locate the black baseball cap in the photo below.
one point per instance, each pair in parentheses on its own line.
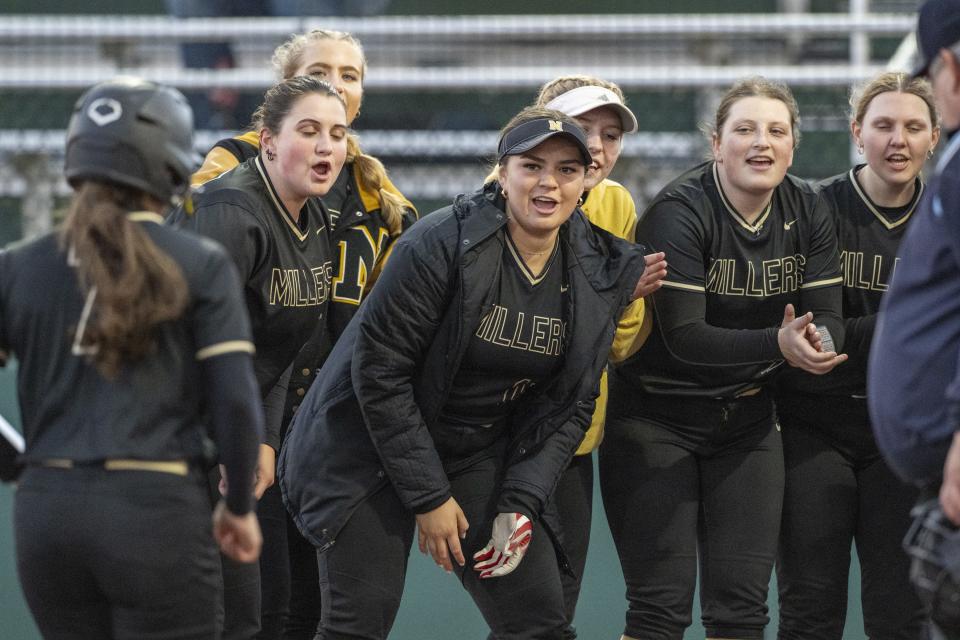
(531,133)
(938,27)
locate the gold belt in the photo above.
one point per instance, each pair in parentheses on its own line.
(176,467)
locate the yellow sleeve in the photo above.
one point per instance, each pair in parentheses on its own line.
(217,162)
(632,331)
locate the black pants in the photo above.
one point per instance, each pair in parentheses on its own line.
(116,554)
(839,490)
(573,498)
(238,613)
(259,597)
(687,477)
(304,610)
(362,575)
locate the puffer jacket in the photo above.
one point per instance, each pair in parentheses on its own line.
(371,415)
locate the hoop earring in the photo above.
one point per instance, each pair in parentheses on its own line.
(271,156)
(929,153)
(860,148)
(580,201)
(503,192)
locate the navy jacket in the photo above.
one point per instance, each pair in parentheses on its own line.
(913,386)
(370,416)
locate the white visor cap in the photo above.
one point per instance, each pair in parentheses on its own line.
(582,99)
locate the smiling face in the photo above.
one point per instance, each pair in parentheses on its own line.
(754,149)
(340,63)
(308,150)
(543,186)
(604,131)
(896,133)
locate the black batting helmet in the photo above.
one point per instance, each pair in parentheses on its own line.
(135,133)
(933,544)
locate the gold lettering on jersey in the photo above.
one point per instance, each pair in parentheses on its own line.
(299,287)
(541,335)
(858,275)
(359,253)
(758,279)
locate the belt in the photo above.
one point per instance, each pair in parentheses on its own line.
(175,467)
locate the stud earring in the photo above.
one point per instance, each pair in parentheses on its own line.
(271,156)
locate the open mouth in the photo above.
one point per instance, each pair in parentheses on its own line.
(760,162)
(898,160)
(545,205)
(322,170)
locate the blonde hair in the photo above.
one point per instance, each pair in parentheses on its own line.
(138,286)
(287,58)
(560,85)
(862,96)
(756,87)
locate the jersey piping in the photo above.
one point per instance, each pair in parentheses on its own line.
(301,235)
(758,224)
(918,191)
(230,346)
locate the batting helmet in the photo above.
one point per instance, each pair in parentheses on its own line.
(134,133)
(933,544)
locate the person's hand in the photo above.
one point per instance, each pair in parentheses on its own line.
(653,274)
(950,489)
(439,533)
(800,342)
(239,537)
(512,533)
(266,471)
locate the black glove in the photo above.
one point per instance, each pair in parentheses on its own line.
(933,544)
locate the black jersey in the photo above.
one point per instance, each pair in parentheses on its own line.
(285,265)
(519,342)
(869,237)
(717,315)
(152,410)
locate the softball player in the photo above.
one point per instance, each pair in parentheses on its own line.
(838,488)
(692,462)
(367,215)
(598,107)
(474,364)
(268,215)
(138,326)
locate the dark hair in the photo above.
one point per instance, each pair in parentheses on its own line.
(757,87)
(136,286)
(279,99)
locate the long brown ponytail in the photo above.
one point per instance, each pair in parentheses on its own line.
(134,285)
(372,173)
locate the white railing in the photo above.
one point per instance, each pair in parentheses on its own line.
(491,28)
(540,47)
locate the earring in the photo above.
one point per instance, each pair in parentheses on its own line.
(580,201)
(503,192)
(271,156)
(929,153)
(860,148)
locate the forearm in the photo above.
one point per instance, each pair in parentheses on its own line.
(237,423)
